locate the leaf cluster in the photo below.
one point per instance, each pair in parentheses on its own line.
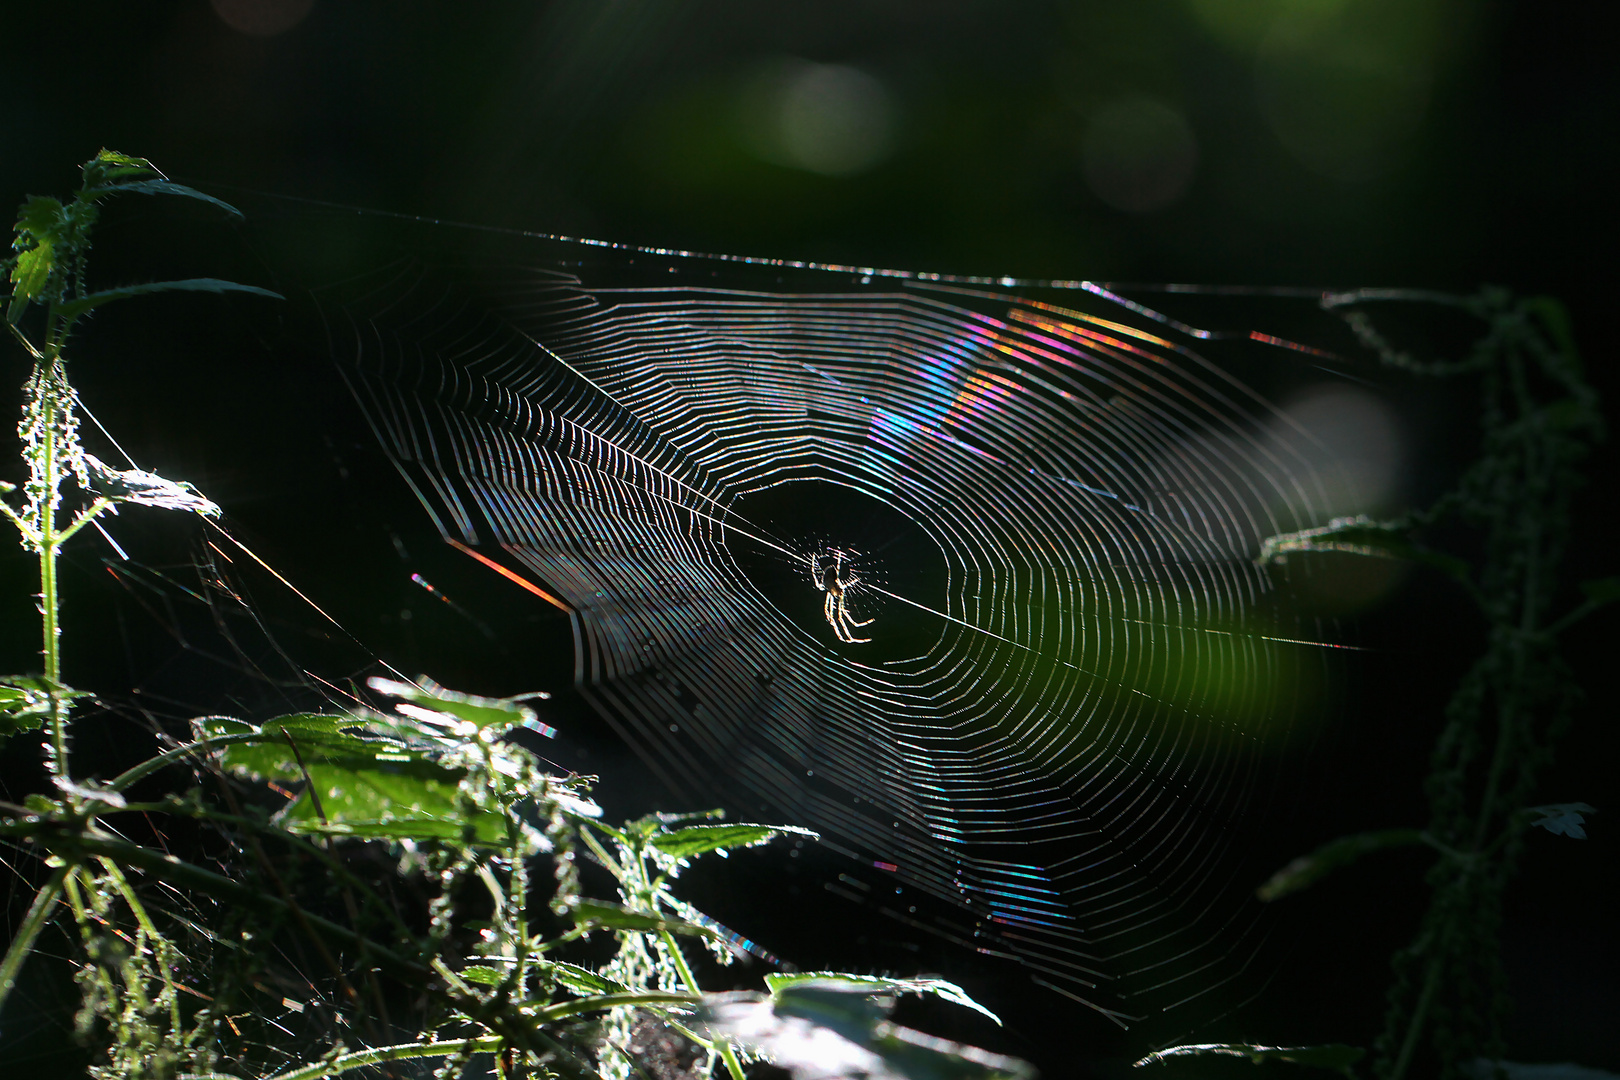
(52,245)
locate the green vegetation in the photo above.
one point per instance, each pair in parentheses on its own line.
(1538,419)
(406,858)
(413,857)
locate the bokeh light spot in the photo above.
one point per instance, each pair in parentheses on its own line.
(1138,155)
(1242,24)
(824,118)
(1356,449)
(262,18)
(1343,96)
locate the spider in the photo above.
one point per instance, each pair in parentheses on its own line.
(827,571)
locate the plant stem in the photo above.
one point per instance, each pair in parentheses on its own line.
(1431,983)
(158,944)
(48,547)
(403,1052)
(39,912)
(728,1053)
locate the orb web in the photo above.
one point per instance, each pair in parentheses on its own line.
(1045,517)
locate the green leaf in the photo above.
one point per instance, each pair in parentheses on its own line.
(74,308)
(698,839)
(1328,1056)
(1361,535)
(317,738)
(160,187)
(851,1028)
(141,488)
(481,712)
(367,787)
(1562,819)
(1308,869)
(584,980)
(213,727)
(110,165)
(875,985)
(40,218)
(29,276)
(614,917)
(488,976)
(22,707)
(25,702)
(387,800)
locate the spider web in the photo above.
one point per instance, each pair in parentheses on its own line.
(1050,505)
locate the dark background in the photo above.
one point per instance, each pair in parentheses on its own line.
(1263,142)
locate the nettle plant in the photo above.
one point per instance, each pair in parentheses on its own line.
(407,851)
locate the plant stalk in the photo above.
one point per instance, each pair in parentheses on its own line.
(39,913)
(49,544)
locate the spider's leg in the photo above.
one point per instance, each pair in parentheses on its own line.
(845,631)
(860,622)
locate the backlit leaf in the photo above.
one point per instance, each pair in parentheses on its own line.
(836,1026)
(74,308)
(614,917)
(29,276)
(697,839)
(387,800)
(876,985)
(484,975)
(584,980)
(25,702)
(481,712)
(1328,1056)
(110,165)
(162,187)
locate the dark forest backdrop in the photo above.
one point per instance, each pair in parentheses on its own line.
(1335,143)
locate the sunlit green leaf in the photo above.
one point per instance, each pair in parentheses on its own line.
(359,784)
(852,1036)
(74,308)
(1308,869)
(25,702)
(314,738)
(21,708)
(614,917)
(485,975)
(29,276)
(697,839)
(1328,1056)
(40,218)
(876,985)
(111,165)
(481,712)
(584,980)
(213,727)
(388,800)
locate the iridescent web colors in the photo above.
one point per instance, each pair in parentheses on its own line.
(1068,749)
